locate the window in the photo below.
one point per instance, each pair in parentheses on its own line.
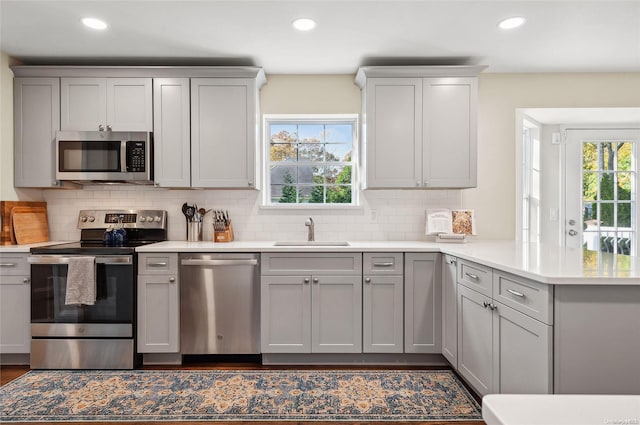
(310,159)
(608,196)
(530,182)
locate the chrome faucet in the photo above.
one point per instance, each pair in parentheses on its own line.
(309,224)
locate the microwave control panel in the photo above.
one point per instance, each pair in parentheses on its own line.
(136,156)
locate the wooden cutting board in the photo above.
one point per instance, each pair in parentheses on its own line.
(6,232)
(30,224)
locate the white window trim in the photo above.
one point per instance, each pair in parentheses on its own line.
(311,118)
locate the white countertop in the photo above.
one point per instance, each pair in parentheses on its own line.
(544,263)
(562,409)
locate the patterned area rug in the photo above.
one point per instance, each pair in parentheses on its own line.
(234,395)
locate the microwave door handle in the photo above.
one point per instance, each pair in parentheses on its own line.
(61,259)
(123,156)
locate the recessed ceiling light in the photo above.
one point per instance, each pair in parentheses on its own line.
(511,23)
(304,24)
(94,23)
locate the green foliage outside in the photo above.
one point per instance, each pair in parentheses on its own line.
(289,194)
(599,163)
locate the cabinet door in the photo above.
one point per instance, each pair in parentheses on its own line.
(336,319)
(223,132)
(449,132)
(285,314)
(171,132)
(475,340)
(36,120)
(422,303)
(449,311)
(521,353)
(83,104)
(15,315)
(158,314)
(393,132)
(129,104)
(382,327)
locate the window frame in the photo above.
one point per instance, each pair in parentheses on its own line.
(268,119)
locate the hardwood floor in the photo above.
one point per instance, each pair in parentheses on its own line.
(9,373)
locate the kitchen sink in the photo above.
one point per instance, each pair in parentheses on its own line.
(311,243)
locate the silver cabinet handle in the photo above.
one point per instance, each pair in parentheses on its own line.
(108,128)
(417,183)
(389,264)
(25,280)
(195,262)
(101,127)
(367,279)
(493,306)
(472,276)
(7,264)
(485,304)
(451,261)
(306,280)
(249,184)
(172,279)
(517,294)
(315,280)
(572,232)
(157,264)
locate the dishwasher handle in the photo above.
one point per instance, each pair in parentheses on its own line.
(202,262)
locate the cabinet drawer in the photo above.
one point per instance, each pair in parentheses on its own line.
(347,263)
(526,296)
(382,263)
(14,265)
(161,263)
(475,276)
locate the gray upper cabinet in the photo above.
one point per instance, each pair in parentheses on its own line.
(36,120)
(422,303)
(106,104)
(171,132)
(223,132)
(420,126)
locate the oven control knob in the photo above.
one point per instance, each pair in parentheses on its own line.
(157,219)
(92,219)
(143,219)
(83,219)
(149,219)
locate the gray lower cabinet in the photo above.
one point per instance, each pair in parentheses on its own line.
(36,120)
(158,304)
(15,304)
(316,312)
(382,303)
(422,303)
(449,310)
(171,132)
(500,348)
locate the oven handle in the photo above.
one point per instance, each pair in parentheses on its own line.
(61,259)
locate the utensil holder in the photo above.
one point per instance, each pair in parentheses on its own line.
(224,236)
(194,231)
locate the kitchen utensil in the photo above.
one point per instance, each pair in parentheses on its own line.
(30,224)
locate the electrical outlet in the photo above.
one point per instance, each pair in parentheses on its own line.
(554,214)
(374,215)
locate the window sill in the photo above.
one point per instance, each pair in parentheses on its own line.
(310,207)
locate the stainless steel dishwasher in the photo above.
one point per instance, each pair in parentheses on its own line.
(219,303)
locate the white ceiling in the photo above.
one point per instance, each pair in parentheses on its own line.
(559,36)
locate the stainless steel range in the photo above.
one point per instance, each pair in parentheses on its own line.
(98,333)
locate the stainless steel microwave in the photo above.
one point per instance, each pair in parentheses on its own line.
(104,156)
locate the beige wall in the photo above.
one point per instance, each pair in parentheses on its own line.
(499,96)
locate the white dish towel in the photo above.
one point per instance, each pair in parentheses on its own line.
(81,281)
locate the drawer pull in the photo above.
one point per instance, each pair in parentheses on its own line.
(472,276)
(156,264)
(517,294)
(451,262)
(383,264)
(7,264)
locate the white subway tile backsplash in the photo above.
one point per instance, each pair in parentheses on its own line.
(399,214)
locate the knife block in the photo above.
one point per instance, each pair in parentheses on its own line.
(225,236)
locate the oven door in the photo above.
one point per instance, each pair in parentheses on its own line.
(111,315)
